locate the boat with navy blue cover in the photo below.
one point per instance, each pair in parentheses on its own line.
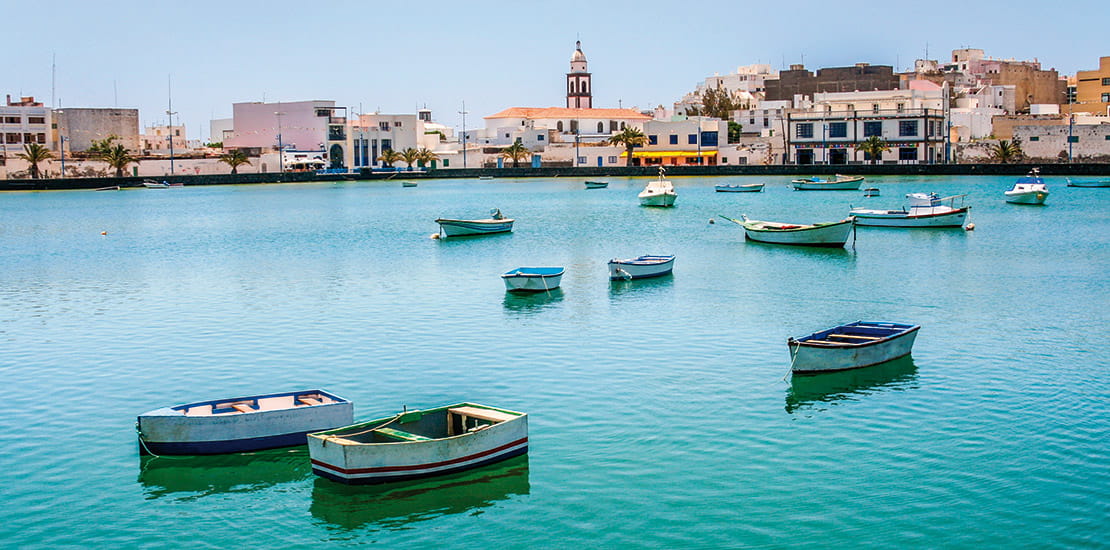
(1030,189)
(241,424)
(850,346)
(640,268)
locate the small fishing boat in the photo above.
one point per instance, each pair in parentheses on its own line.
(596,184)
(659,192)
(151,184)
(241,424)
(871,192)
(743,188)
(1030,189)
(829,234)
(408,184)
(417,444)
(640,268)
(836,183)
(850,346)
(496,223)
(109,188)
(532,279)
(925,210)
(485,178)
(1088,183)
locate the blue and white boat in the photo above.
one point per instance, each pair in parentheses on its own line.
(1030,189)
(496,223)
(850,346)
(640,268)
(241,424)
(532,279)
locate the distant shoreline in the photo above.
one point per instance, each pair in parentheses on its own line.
(1087,169)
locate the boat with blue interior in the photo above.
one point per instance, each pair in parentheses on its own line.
(850,346)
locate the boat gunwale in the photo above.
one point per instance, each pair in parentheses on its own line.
(332,436)
(791,341)
(800,228)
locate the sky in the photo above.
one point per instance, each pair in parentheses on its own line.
(399,56)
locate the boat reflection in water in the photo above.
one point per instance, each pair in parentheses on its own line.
(196,476)
(532,302)
(640,288)
(810,392)
(397,505)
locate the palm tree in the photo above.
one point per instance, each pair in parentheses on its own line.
(630,138)
(388,157)
(425,156)
(34,154)
(234,159)
(1007,151)
(873,147)
(118,157)
(515,153)
(410,156)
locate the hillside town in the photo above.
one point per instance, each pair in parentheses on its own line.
(969,108)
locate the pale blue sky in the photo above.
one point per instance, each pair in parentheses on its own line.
(397,56)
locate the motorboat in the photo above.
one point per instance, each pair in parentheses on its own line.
(850,346)
(640,268)
(407,183)
(240,424)
(596,184)
(418,444)
(925,210)
(1030,189)
(659,192)
(827,234)
(742,188)
(532,279)
(836,183)
(496,223)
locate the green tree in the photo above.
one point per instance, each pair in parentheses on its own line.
(388,157)
(101,147)
(425,156)
(630,138)
(234,159)
(410,156)
(516,152)
(873,147)
(118,157)
(716,102)
(734,129)
(34,153)
(1005,151)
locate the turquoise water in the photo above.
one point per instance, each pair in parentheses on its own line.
(659,412)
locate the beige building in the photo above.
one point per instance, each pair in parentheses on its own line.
(1092,90)
(81,126)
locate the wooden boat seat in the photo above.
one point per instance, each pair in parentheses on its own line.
(826,342)
(854,337)
(484,414)
(400,435)
(307,400)
(242,407)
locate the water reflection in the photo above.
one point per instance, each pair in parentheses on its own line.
(532,302)
(199,476)
(396,505)
(812,391)
(647,286)
(815,251)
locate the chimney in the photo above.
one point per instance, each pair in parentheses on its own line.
(797,67)
(9,100)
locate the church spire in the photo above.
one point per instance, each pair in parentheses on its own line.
(579,87)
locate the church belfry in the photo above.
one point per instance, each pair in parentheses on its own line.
(579,87)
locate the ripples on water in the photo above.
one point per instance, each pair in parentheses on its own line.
(659,412)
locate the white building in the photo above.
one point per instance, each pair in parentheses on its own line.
(746,85)
(22,123)
(157,140)
(372,134)
(681,142)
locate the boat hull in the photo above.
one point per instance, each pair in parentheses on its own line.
(532,279)
(815,358)
(831,235)
(470,228)
(747,188)
(1027,197)
(641,268)
(847,184)
(1089,184)
(357,463)
(597,184)
(170,431)
(892,218)
(658,199)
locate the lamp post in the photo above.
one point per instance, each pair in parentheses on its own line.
(169,130)
(824,141)
(281,148)
(62,150)
(463,113)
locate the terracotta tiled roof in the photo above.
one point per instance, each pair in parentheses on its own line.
(563,112)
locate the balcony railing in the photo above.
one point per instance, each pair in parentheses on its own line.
(864,114)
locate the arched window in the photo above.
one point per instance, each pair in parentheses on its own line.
(559,126)
(600,127)
(585,86)
(573,87)
(622,126)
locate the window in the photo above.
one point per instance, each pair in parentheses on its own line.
(907,128)
(1108,138)
(709,139)
(36,120)
(446,163)
(653,140)
(1035,138)
(1106,98)
(612,126)
(1106,82)
(875,108)
(674,139)
(838,129)
(804,130)
(692,139)
(873,128)
(907,153)
(397,124)
(901,107)
(581,160)
(1073,139)
(574,126)
(383,126)
(323,112)
(539,137)
(600,127)
(612,160)
(11,120)
(724,160)
(177,133)
(751,121)
(851,107)
(559,126)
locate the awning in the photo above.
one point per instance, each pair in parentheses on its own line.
(668,154)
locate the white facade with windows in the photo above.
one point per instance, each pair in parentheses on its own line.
(22,123)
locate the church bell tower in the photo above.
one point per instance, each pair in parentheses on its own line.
(579,88)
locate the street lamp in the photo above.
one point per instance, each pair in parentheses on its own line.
(281,148)
(62,149)
(463,113)
(169,131)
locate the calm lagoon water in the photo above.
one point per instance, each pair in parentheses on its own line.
(660,415)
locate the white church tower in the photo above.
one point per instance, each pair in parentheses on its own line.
(579,88)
